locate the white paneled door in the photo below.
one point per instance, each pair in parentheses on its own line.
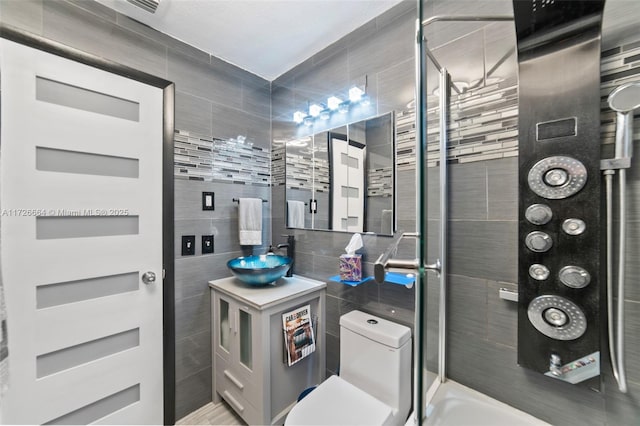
(347,191)
(81,234)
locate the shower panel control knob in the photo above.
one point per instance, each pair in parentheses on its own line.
(538,214)
(555,317)
(538,241)
(573,226)
(574,277)
(556,177)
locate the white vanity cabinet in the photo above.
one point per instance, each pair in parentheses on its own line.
(249,366)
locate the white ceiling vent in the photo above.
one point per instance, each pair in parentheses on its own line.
(148,5)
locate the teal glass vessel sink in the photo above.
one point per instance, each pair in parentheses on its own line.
(260,270)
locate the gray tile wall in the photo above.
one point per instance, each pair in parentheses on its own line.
(214,100)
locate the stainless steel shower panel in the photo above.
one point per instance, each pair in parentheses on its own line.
(559,188)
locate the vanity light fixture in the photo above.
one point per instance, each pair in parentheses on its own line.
(334,103)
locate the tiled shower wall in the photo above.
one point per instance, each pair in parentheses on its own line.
(482,329)
(214,100)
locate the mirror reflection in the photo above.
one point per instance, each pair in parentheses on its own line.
(342,179)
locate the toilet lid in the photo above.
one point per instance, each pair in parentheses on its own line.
(338,402)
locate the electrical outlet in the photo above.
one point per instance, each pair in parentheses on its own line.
(188,245)
(208,201)
(207,244)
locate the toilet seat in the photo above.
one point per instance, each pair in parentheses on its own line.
(338,402)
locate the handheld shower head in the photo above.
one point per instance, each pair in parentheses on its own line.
(624,99)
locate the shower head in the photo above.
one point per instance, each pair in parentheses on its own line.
(625,98)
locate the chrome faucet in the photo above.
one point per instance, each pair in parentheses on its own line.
(290,245)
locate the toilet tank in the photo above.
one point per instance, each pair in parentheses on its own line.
(375,356)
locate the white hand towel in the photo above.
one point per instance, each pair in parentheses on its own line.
(250,221)
(295,214)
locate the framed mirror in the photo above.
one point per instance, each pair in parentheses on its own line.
(343,179)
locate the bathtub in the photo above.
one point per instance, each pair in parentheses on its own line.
(456,405)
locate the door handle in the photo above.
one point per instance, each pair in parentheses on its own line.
(149,277)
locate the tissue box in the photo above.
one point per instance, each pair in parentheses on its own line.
(351,267)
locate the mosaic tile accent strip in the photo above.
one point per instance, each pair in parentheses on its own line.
(321,171)
(298,173)
(484,122)
(220,160)
(277,164)
(483,126)
(380,182)
(406,140)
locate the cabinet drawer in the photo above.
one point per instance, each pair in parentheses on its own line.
(228,377)
(240,370)
(240,403)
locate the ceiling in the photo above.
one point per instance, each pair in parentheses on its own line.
(265,37)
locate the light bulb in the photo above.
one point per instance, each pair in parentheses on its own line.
(298,117)
(314,110)
(334,102)
(355,93)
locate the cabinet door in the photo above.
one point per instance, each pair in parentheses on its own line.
(245,338)
(248,339)
(223,327)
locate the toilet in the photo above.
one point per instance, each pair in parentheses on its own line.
(374,386)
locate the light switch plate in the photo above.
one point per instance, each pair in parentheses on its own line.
(188,245)
(208,201)
(207,244)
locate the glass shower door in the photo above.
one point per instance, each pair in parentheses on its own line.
(458,70)
(432,86)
